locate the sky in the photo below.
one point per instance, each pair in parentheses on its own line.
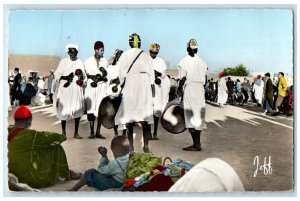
(260,39)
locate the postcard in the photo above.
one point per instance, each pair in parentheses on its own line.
(148,99)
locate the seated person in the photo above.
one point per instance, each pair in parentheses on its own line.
(109,174)
(36,158)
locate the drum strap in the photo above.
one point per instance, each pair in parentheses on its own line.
(130,69)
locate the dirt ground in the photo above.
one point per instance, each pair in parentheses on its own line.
(234,134)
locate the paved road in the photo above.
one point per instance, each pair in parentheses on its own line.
(234,134)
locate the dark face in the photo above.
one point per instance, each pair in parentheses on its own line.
(153,54)
(191,51)
(73,54)
(29,122)
(99,52)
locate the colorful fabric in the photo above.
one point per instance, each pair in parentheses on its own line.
(192,44)
(14,133)
(177,169)
(291,99)
(221,74)
(37,158)
(282,87)
(141,163)
(159,178)
(22,112)
(154,47)
(135,39)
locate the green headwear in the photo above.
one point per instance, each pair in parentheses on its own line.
(192,44)
(135,40)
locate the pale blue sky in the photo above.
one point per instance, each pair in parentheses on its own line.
(262,39)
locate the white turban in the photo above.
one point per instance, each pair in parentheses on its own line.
(71,46)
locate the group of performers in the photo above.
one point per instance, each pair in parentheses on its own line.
(140,79)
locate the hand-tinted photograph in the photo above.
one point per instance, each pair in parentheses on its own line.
(149,100)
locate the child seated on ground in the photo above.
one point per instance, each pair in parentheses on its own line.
(109,174)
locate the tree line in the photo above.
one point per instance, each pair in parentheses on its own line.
(239,70)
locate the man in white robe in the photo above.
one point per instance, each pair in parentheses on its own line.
(67,88)
(192,71)
(161,86)
(95,89)
(114,88)
(258,89)
(166,87)
(222,90)
(138,89)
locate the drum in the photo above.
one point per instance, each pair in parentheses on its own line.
(108,109)
(172,119)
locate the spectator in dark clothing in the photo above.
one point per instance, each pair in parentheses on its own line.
(268,102)
(246,89)
(275,91)
(211,85)
(230,86)
(16,85)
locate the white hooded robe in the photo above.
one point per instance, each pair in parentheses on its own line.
(68,101)
(194,69)
(137,102)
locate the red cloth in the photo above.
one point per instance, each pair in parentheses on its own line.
(291,100)
(159,182)
(22,112)
(129,183)
(14,133)
(221,74)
